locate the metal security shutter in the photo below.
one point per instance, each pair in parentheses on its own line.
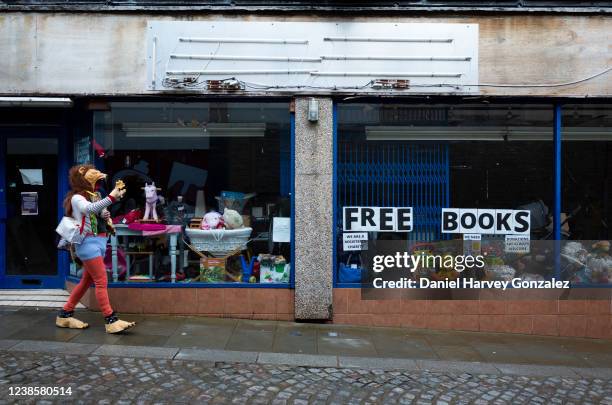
(396,174)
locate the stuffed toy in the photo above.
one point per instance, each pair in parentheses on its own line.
(84,206)
(212,220)
(600,262)
(232,219)
(151,199)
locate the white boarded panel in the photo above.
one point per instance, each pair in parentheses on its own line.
(313,56)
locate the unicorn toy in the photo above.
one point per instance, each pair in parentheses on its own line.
(151,199)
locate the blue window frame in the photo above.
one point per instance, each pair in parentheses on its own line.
(270,142)
(563,139)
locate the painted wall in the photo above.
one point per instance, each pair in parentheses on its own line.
(87,53)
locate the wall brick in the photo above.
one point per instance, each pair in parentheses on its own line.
(157,300)
(388,306)
(572,325)
(353,319)
(263,300)
(411,306)
(413,321)
(529,307)
(210,300)
(598,326)
(466,322)
(546,325)
(493,323)
(127,300)
(237,302)
(441,322)
(572,307)
(184,300)
(465,307)
(285,302)
(355,304)
(392,320)
(340,301)
(597,307)
(492,307)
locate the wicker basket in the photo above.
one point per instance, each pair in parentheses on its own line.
(219,242)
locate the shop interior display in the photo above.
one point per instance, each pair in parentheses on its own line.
(431,156)
(191,182)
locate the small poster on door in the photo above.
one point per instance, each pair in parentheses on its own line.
(29,203)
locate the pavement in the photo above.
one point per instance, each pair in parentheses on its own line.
(172,359)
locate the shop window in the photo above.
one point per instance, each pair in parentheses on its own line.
(436,156)
(217,176)
(586,204)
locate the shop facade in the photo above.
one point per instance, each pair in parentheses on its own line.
(459,126)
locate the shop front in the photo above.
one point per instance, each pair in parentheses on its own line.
(467,171)
(243,140)
(207,218)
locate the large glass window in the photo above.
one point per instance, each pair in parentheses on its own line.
(586,203)
(464,156)
(208,190)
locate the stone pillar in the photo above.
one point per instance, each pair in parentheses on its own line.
(313,211)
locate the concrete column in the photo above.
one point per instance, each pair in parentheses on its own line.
(313,211)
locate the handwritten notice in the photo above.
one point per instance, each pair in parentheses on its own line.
(352,241)
(281,229)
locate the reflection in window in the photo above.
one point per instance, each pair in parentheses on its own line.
(586,204)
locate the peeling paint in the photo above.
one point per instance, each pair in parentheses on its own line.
(95,53)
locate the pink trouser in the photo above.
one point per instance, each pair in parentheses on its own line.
(94,270)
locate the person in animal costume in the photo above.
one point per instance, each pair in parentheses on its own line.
(84,204)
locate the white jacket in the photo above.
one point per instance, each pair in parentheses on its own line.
(81,207)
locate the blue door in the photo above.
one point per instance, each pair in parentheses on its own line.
(29,211)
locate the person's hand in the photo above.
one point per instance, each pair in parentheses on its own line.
(106,214)
(118,193)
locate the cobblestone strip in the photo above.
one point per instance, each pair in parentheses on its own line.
(107,379)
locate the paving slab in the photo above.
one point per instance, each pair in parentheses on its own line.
(535,370)
(593,372)
(403,346)
(292,359)
(341,346)
(377,363)
(251,340)
(457,366)
(6,344)
(301,340)
(95,336)
(226,356)
(53,347)
(134,337)
(136,351)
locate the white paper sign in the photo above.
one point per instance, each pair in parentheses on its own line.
(33,177)
(485,221)
(354,241)
(472,244)
(29,203)
(517,244)
(377,219)
(281,229)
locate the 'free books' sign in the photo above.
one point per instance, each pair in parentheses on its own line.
(453,220)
